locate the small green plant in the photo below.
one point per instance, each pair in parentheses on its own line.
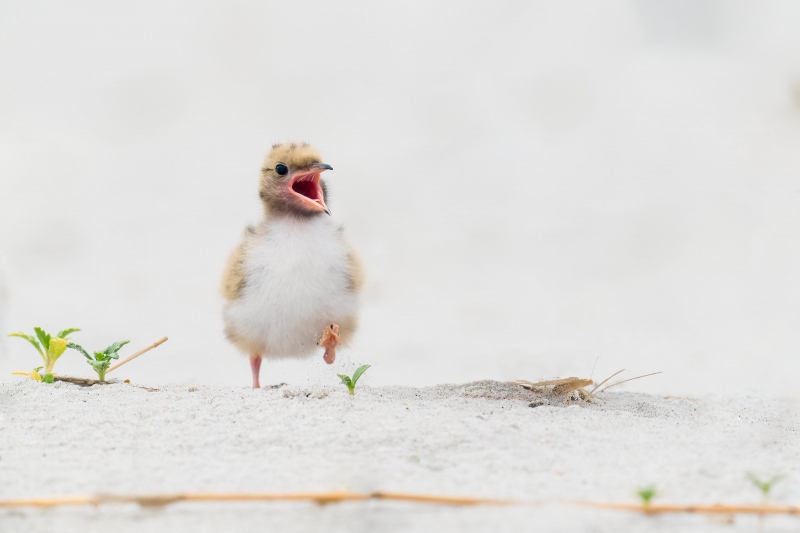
(49,347)
(36,376)
(764,486)
(647,494)
(351,382)
(101,360)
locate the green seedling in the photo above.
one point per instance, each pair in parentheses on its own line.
(49,347)
(351,382)
(647,494)
(36,376)
(764,486)
(101,360)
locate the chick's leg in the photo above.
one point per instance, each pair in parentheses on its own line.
(255,366)
(329,340)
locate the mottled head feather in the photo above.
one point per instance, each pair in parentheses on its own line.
(272,186)
(295,156)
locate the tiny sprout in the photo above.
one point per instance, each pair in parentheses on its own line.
(101,360)
(351,382)
(647,494)
(764,486)
(37,375)
(49,347)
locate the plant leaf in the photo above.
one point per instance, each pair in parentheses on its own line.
(48,378)
(357,374)
(114,348)
(44,337)
(30,339)
(80,349)
(346,380)
(103,356)
(647,494)
(57,347)
(64,332)
(35,375)
(764,486)
(100,366)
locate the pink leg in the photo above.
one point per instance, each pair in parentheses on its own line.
(255,366)
(330,355)
(329,340)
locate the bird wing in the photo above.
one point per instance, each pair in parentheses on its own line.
(355,269)
(233,279)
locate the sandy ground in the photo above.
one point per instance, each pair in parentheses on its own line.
(479,439)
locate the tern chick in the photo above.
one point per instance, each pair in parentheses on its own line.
(292,284)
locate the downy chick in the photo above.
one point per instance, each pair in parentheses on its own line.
(292,283)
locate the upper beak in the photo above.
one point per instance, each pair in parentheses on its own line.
(324,167)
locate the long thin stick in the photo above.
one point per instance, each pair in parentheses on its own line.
(137,354)
(316,497)
(446,500)
(344,496)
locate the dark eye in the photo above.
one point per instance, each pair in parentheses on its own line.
(281,169)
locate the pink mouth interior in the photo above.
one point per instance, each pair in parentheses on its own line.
(307,188)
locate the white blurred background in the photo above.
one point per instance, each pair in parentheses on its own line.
(532,185)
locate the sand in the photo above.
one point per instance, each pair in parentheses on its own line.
(480,439)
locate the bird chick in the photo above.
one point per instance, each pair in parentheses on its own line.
(292,283)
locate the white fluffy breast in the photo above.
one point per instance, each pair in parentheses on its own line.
(296,283)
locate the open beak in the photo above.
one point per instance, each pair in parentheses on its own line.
(305,185)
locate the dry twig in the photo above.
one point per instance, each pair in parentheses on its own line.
(323,498)
(83,382)
(160,341)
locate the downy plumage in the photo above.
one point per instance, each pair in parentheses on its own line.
(292,283)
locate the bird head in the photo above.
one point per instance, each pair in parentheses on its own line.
(290,181)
